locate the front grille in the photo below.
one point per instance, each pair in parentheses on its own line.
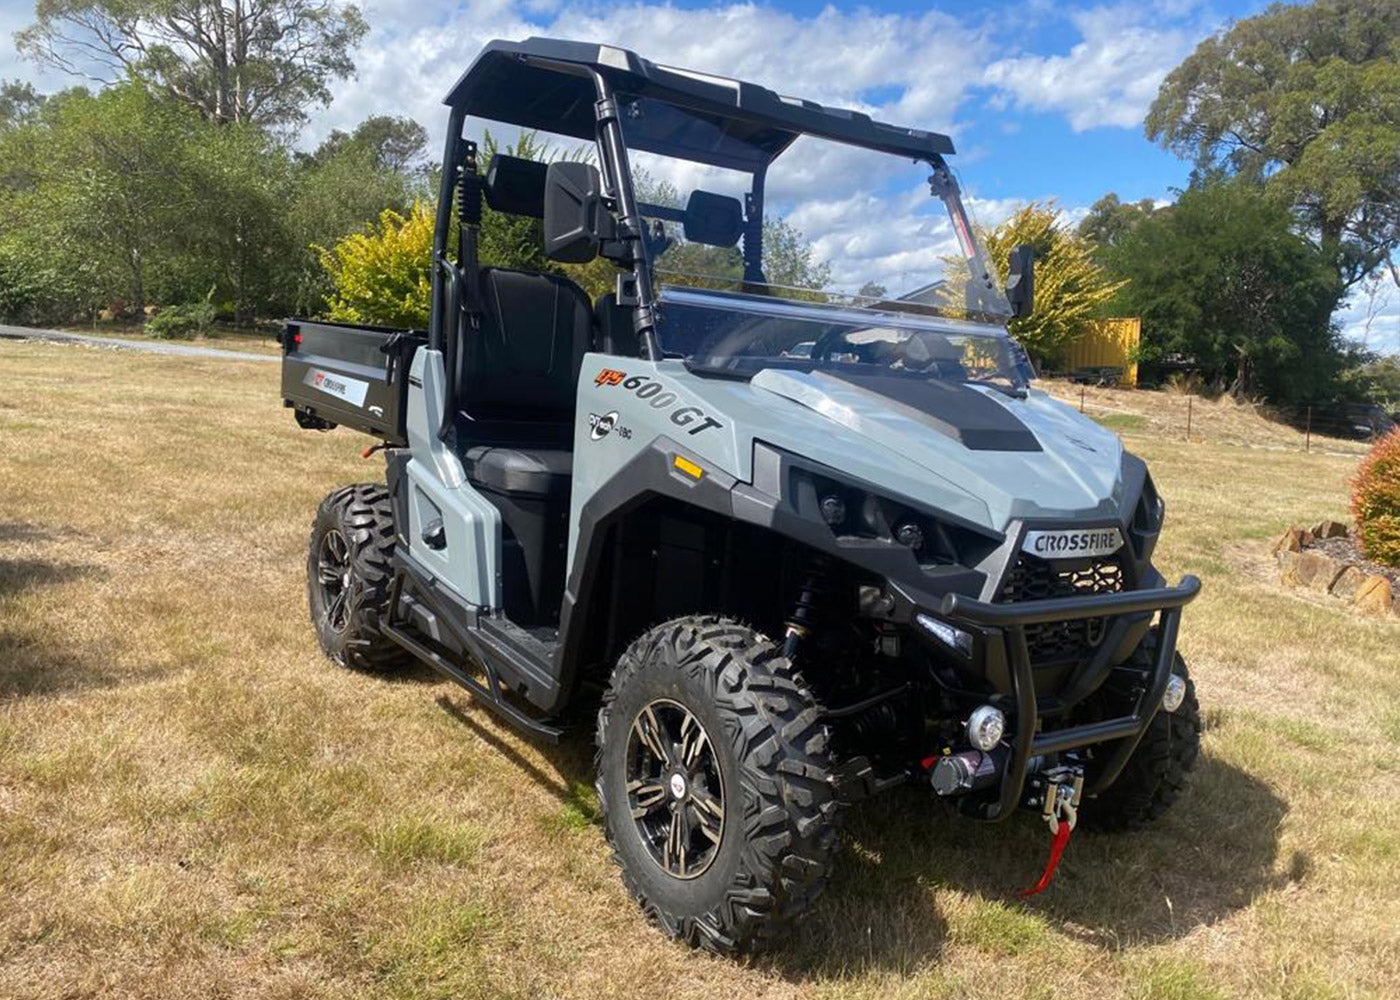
(1033,579)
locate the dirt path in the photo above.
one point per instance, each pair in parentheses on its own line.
(151,347)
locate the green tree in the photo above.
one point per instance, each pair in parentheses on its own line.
(1110,219)
(1306,100)
(1070,286)
(260,61)
(395,144)
(1221,277)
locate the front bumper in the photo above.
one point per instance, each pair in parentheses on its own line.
(1005,624)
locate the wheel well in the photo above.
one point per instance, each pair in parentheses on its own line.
(667,558)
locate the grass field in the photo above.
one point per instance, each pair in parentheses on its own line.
(195,804)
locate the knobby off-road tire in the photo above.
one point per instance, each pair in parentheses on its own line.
(770,764)
(348,570)
(1156,773)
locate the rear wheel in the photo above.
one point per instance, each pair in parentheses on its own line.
(1156,773)
(349,565)
(715,783)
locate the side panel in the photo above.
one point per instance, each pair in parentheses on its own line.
(624,405)
(469,562)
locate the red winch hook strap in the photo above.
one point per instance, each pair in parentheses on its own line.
(1057,849)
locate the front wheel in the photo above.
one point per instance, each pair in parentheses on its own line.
(1155,774)
(715,784)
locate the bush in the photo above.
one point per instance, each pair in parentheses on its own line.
(383,277)
(1375,501)
(182,322)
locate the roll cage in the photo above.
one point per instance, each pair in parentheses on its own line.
(582,90)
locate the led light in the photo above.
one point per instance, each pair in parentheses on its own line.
(954,638)
(833,509)
(985,727)
(909,534)
(1175,693)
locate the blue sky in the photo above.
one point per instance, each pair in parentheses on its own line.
(1044,99)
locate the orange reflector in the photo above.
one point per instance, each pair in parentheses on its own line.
(689,467)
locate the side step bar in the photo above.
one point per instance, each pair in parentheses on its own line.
(491,696)
(480,643)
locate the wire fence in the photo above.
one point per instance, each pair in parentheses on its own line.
(1323,428)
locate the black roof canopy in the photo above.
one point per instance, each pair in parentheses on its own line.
(546,84)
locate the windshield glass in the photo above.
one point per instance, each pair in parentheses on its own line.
(739,335)
(804,218)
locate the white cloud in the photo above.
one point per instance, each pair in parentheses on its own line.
(1109,78)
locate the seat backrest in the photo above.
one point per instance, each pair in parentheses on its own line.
(523,364)
(617,332)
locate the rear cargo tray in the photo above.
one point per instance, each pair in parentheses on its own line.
(355,376)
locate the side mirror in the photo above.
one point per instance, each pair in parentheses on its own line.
(1020,283)
(576,220)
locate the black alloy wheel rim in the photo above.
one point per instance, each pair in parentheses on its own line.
(333,574)
(675,790)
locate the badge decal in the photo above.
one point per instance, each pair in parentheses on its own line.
(352,390)
(1071,542)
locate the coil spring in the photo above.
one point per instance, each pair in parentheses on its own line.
(811,600)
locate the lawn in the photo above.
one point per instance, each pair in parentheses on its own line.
(194,803)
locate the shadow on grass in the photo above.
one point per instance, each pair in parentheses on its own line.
(1209,856)
(1212,854)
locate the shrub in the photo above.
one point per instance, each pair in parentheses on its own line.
(383,276)
(182,322)
(1375,501)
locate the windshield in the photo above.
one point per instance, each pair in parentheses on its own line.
(739,335)
(804,218)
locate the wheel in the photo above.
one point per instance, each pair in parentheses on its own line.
(348,569)
(1155,774)
(715,784)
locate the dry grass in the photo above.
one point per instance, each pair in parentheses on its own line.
(1223,420)
(193,803)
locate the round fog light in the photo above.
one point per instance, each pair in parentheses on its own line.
(985,727)
(1175,693)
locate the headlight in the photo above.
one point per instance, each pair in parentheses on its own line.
(954,638)
(985,727)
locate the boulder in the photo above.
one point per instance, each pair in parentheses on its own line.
(1374,596)
(1313,570)
(1293,540)
(1345,586)
(1329,529)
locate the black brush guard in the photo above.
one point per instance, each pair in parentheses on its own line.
(1006,623)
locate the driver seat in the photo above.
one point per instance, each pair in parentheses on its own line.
(517,379)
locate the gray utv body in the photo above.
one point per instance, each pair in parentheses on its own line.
(559,485)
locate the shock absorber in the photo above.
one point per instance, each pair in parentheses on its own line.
(811,599)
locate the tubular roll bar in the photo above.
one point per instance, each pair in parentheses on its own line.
(1006,623)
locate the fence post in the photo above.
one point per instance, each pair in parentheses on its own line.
(1081,398)
(1307,434)
(1190,400)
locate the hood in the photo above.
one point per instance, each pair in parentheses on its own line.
(1021,458)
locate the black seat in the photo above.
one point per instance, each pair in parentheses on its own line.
(617,334)
(541,472)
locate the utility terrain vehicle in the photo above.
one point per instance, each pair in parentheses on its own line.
(794,546)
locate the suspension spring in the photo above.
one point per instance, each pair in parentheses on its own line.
(811,600)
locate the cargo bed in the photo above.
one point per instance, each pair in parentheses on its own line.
(355,376)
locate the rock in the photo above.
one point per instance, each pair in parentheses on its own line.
(1293,540)
(1329,529)
(1374,596)
(1345,586)
(1314,571)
